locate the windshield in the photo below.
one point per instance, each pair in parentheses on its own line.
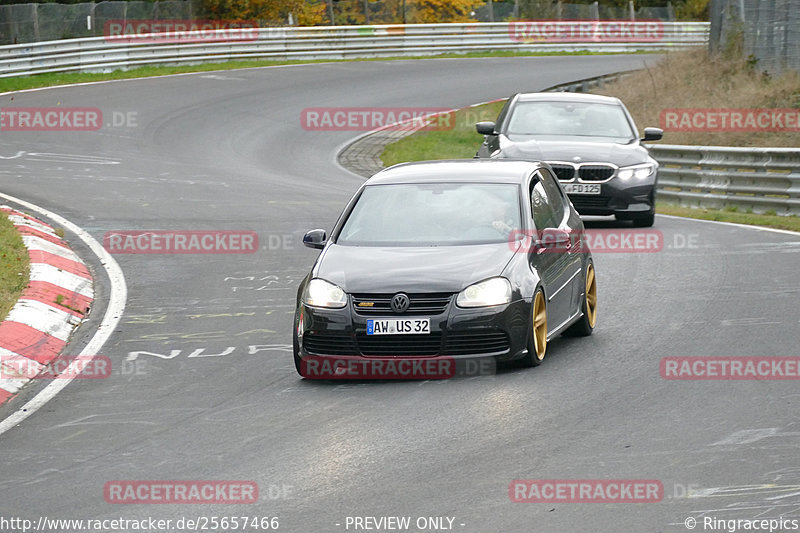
(433,214)
(569,118)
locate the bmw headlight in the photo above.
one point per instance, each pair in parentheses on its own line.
(636,171)
(493,291)
(320,293)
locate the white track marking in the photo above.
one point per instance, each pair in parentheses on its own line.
(43,317)
(746,226)
(42,245)
(118,294)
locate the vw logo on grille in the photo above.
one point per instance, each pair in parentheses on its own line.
(400,303)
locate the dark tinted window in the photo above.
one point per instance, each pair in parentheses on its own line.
(541,210)
(554,194)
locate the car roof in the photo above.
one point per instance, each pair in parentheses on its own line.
(459,170)
(567,97)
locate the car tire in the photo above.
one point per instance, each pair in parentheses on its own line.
(537,334)
(585,325)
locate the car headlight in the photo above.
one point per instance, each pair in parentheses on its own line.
(636,171)
(320,293)
(493,291)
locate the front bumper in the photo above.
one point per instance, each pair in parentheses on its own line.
(616,198)
(498,332)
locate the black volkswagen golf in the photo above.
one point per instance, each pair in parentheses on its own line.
(444,260)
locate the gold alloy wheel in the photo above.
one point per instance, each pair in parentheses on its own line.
(539,326)
(591,296)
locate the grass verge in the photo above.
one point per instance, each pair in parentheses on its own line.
(460,142)
(61,78)
(14,266)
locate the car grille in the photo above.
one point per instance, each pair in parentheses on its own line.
(329,344)
(467,343)
(420,304)
(563,172)
(591,172)
(458,343)
(401,345)
(583,201)
(595,172)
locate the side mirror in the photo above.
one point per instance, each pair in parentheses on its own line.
(653,134)
(316,238)
(485,128)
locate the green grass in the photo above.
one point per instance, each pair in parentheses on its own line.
(14,266)
(769,219)
(53,79)
(458,143)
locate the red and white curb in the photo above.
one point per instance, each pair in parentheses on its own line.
(55,302)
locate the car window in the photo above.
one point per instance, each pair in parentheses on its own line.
(554,194)
(433,214)
(541,210)
(586,119)
(503,114)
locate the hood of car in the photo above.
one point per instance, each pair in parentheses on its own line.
(599,149)
(367,269)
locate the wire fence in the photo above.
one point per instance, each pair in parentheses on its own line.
(25,23)
(766,31)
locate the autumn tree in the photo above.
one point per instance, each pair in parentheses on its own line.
(426,11)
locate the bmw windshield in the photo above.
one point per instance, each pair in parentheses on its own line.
(574,119)
(432,214)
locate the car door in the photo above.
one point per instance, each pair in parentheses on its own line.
(572,258)
(553,263)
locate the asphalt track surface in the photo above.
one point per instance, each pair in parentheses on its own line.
(217,397)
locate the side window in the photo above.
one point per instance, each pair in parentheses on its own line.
(554,194)
(541,210)
(501,117)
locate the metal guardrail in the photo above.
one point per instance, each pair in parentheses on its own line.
(760,179)
(104,54)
